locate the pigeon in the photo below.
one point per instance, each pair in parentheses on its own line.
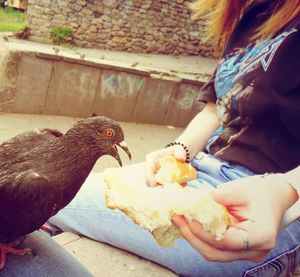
(24,34)
(41,171)
(134,64)
(56,50)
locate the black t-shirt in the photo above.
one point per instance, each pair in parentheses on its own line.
(257,90)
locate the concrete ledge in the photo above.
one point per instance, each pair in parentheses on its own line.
(39,82)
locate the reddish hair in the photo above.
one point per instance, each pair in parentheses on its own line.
(223,15)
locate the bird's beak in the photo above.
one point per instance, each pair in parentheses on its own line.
(123,145)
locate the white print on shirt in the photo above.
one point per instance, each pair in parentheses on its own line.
(262,53)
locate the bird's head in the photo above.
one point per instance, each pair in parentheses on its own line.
(101,135)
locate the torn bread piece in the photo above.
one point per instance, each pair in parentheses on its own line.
(174,171)
(153,207)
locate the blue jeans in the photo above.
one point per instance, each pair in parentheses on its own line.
(49,260)
(87,215)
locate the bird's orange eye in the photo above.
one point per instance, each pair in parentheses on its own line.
(109,133)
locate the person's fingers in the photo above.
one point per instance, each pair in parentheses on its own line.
(232,240)
(152,165)
(179,153)
(230,195)
(236,238)
(212,253)
(234,199)
(150,169)
(257,238)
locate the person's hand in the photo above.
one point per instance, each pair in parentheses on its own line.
(257,205)
(152,164)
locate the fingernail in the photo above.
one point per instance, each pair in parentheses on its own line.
(186,219)
(151,184)
(180,159)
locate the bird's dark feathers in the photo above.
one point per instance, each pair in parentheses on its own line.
(41,171)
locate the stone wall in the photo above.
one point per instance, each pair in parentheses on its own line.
(141,26)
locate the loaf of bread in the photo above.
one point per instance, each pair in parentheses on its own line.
(153,207)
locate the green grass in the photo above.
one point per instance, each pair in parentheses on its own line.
(61,35)
(12,20)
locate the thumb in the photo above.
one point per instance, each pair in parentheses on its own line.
(179,153)
(229,195)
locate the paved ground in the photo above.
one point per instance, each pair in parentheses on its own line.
(99,258)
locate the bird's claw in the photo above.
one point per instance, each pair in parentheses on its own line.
(10,248)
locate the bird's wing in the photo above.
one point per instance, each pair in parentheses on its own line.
(52,132)
(15,147)
(33,137)
(26,203)
(22,190)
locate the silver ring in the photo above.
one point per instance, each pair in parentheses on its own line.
(245,240)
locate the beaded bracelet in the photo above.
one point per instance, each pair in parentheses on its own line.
(184,147)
